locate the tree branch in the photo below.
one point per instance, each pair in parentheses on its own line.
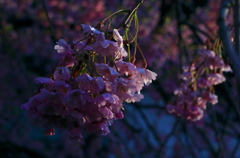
(224,36)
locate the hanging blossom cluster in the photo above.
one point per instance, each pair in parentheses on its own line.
(88,87)
(197,89)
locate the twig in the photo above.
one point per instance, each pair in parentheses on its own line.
(150,106)
(49,20)
(128,17)
(235,148)
(17,150)
(205,138)
(181,43)
(218,138)
(150,127)
(173,131)
(190,146)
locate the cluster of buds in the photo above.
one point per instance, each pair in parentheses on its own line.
(197,88)
(88,87)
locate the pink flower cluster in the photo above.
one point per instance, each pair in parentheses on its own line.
(197,88)
(85,92)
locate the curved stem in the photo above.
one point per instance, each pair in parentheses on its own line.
(99,25)
(228,46)
(130,14)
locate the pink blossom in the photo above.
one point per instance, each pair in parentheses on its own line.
(193,94)
(118,37)
(210,80)
(188,104)
(75,99)
(89,29)
(74,118)
(189,68)
(45,108)
(43,80)
(101,45)
(84,95)
(107,72)
(104,47)
(76,133)
(77,116)
(214,63)
(207,53)
(62,46)
(124,89)
(147,75)
(119,115)
(187,76)
(61,73)
(50,103)
(106,112)
(65,54)
(210,97)
(46,83)
(226,68)
(81,46)
(126,68)
(171,108)
(89,84)
(194,114)
(111,101)
(189,111)
(66,59)
(99,128)
(121,52)
(201,102)
(61,86)
(105,98)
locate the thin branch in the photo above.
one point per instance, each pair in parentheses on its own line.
(236,27)
(16,150)
(130,14)
(195,28)
(190,146)
(217,133)
(149,125)
(235,148)
(173,131)
(49,21)
(224,36)
(149,106)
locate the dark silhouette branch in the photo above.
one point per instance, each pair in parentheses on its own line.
(227,44)
(51,29)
